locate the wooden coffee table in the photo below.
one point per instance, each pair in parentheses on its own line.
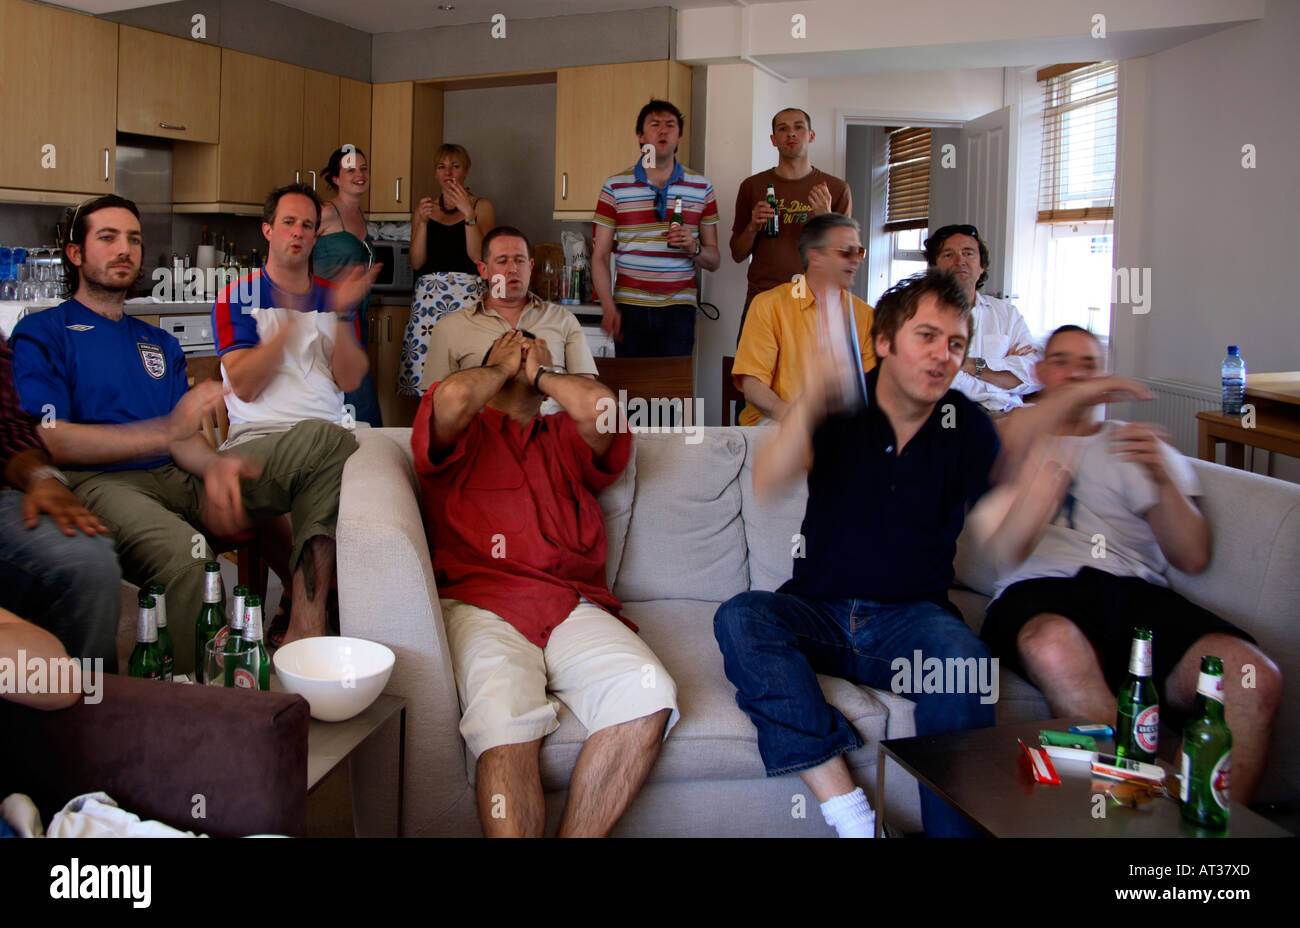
(980,774)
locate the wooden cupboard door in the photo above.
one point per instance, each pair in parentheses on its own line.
(392,109)
(60,108)
(320,127)
(261,126)
(595,125)
(386,357)
(354,120)
(168,87)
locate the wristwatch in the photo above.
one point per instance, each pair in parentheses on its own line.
(699,247)
(544,369)
(43,472)
(980,364)
(472,222)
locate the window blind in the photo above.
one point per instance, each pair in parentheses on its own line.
(908,201)
(1080,107)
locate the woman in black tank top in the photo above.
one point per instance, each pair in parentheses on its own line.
(446,240)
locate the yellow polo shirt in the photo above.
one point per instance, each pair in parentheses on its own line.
(779,329)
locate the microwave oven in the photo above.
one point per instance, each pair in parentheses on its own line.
(397,273)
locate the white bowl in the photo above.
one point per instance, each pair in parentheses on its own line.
(339,677)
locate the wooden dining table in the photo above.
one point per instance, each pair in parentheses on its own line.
(1274,425)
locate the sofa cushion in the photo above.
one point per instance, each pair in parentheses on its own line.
(770,525)
(685,539)
(616,502)
(714,739)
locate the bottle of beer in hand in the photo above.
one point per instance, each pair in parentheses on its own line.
(1137,727)
(147,658)
(165,644)
(676,220)
(211,618)
(250,672)
(773,227)
(1207,752)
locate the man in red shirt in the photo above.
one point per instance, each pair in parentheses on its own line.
(518,543)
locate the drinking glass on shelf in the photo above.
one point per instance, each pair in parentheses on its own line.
(549,279)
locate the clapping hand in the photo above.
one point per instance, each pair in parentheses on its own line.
(351,288)
(424,209)
(820,198)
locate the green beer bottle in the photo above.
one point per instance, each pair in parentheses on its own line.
(235,625)
(240,670)
(773,227)
(677,218)
(147,658)
(1207,752)
(1137,728)
(211,618)
(165,644)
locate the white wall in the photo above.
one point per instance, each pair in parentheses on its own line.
(1219,238)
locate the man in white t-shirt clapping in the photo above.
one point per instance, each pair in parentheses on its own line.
(1064,616)
(289,350)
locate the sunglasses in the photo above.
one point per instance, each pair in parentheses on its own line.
(850,251)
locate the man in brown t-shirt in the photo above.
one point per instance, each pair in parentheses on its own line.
(802,191)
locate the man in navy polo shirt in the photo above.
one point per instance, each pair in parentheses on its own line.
(889,486)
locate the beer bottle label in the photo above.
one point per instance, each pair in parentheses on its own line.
(1221,781)
(1210,685)
(1185,780)
(211,586)
(1146,728)
(1139,663)
(221,636)
(244,678)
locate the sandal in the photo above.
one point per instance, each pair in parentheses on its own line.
(279,626)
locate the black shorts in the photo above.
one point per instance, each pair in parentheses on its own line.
(1106,608)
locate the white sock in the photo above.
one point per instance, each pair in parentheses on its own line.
(850,815)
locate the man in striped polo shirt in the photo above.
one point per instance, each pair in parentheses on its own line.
(650,309)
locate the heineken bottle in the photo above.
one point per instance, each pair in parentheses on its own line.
(165,644)
(147,658)
(250,671)
(1207,752)
(676,219)
(773,227)
(211,618)
(1137,728)
(229,636)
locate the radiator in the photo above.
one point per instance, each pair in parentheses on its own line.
(1175,407)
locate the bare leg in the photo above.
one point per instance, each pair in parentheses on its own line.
(276,536)
(510,800)
(610,770)
(308,618)
(829,779)
(1250,702)
(1062,663)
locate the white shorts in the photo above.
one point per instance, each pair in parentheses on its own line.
(510,688)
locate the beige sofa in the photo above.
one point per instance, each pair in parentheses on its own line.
(686,533)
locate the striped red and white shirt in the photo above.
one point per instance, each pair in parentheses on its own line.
(648,271)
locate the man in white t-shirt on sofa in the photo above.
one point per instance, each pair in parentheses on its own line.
(1064,616)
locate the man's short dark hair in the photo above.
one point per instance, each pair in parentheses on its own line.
(659,106)
(74,233)
(899,303)
(503,232)
(816,232)
(791,109)
(273,200)
(1061,330)
(935,242)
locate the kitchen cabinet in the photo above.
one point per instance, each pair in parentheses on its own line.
(595,124)
(320,127)
(405,131)
(354,120)
(60,110)
(387,329)
(167,87)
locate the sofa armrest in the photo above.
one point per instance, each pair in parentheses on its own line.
(387,594)
(155,748)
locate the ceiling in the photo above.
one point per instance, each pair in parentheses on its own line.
(401,15)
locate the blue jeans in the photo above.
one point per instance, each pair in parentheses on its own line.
(70,586)
(775,644)
(656,332)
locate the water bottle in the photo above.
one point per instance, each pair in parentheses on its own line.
(1234,382)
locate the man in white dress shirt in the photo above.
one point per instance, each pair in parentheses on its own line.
(999,367)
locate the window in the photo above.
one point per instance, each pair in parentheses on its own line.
(1071,280)
(1080,105)
(906,253)
(909,179)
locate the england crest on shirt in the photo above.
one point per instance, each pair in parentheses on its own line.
(155,362)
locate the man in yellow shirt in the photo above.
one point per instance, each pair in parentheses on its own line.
(781,328)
